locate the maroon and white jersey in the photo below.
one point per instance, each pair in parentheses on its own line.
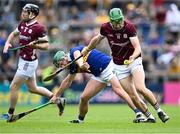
(27,34)
(119,41)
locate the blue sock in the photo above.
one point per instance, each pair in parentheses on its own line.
(137,111)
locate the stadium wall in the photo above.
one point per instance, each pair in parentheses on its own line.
(170,94)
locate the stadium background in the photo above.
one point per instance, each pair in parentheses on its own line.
(74,22)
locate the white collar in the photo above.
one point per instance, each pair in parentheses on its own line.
(112,26)
(28,24)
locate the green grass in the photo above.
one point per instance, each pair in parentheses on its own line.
(109,118)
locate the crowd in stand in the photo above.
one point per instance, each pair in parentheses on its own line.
(74,22)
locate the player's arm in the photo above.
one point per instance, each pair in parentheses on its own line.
(84,66)
(65,84)
(93,43)
(41,45)
(137,48)
(9,39)
(76,54)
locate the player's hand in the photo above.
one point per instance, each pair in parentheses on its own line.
(127,62)
(32,44)
(54,99)
(85,51)
(131,59)
(6,47)
(85,67)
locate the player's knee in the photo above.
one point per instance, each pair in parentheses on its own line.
(84,98)
(142,90)
(32,90)
(13,87)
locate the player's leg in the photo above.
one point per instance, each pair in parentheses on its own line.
(34,88)
(139,82)
(117,88)
(128,86)
(14,90)
(19,78)
(91,89)
(108,75)
(120,92)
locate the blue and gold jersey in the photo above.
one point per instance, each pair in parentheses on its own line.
(97,61)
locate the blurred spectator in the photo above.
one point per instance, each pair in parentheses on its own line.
(75,17)
(174,69)
(102,17)
(160,17)
(42,19)
(3,37)
(165,58)
(143,22)
(153,39)
(131,12)
(173,21)
(51,18)
(89,17)
(174,66)
(119,4)
(87,35)
(55,38)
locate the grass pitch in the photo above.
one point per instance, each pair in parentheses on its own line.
(107,118)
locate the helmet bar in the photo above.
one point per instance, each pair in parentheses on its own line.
(120,20)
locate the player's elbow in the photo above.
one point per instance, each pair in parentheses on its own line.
(46,47)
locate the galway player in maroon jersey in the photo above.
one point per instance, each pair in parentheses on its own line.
(29,31)
(123,41)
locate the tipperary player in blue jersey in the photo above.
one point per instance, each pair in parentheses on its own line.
(100,66)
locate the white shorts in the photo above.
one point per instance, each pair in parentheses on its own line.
(27,68)
(123,71)
(106,74)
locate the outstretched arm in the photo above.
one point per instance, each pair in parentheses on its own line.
(66,83)
(93,43)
